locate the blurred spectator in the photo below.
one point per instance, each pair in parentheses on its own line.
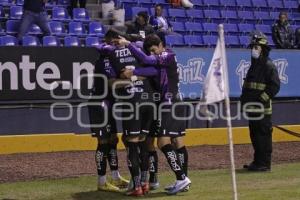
(140,26)
(179,3)
(282,33)
(74,4)
(34,13)
(187,4)
(175,3)
(160,24)
(297,38)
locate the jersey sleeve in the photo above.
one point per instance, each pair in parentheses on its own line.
(105,49)
(166,59)
(141,56)
(146,71)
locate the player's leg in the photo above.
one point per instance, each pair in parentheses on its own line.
(164,144)
(178,141)
(153,158)
(97,116)
(144,163)
(113,161)
(133,159)
(182,152)
(169,129)
(101,163)
(146,117)
(132,130)
(183,156)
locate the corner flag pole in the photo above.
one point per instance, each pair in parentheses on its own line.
(228,114)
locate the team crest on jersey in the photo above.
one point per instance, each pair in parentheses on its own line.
(192,72)
(280,64)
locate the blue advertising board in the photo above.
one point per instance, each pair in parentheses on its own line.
(193,64)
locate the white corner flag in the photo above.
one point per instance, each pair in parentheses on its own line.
(216,88)
(215,85)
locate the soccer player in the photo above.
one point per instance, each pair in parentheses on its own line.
(107,134)
(170,128)
(136,123)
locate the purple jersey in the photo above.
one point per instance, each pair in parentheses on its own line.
(122,58)
(103,67)
(167,70)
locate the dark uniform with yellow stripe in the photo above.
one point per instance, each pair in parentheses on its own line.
(260,86)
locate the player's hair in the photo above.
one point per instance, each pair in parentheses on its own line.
(111,34)
(151,40)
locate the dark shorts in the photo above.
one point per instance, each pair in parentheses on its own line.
(138,124)
(154,129)
(168,125)
(138,111)
(98,115)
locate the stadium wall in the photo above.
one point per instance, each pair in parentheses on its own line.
(75,142)
(25,111)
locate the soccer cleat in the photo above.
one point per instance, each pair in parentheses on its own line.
(186,189)
(154,185)
(130,185)
(120,183)
(145,188)
(179,186)
(170,187)
(137,192)
(107,187)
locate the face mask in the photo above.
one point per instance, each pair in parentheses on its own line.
(255,53)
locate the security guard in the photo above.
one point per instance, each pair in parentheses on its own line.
(260,86)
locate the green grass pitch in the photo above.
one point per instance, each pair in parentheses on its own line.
(283,183)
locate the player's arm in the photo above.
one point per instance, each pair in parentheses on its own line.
(124,80)
(105,49)
(145,71)
(138,53)
(141,56)
(140,72)
(157,60)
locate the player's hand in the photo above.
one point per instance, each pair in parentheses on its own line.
(127,73)
(123,41)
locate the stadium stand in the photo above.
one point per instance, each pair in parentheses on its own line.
(80,14)
(15,12)
(195,27)
(60,14)
(193,40)
(8,40)
(57,28)
(71,41)
(50,41)
(92,41)
(29,40)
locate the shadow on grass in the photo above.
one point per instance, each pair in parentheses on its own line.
(242,171)
(96,195)
(245,171)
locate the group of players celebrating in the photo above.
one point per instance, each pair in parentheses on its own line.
(142,84)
